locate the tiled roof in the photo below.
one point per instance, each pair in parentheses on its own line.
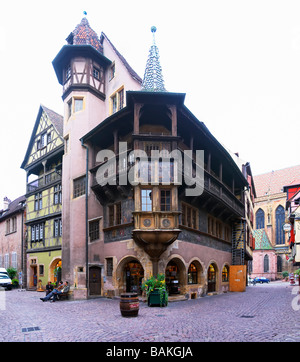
(56,119)
(13,207)
(262,241)
(85,35)
(273,182)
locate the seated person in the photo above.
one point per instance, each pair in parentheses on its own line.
(49,288)
(51,294)
(65,289)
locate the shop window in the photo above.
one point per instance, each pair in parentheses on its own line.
(192,274)
(225,274)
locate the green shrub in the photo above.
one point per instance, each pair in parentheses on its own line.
(12,272)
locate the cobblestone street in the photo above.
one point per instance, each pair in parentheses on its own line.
(264,313)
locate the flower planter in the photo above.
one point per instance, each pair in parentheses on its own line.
(154,299)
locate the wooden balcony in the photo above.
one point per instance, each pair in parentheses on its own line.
(43,181)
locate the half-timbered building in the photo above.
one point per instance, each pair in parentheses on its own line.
(43,166)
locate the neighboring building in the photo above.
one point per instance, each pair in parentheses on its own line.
(43,166)
(12,235)
(270,215)
(293,215)
(264,257)
(115,233)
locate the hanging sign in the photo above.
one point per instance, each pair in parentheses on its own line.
(287,227)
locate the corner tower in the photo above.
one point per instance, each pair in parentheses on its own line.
(94,78)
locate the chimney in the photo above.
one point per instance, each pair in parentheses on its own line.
(6,202)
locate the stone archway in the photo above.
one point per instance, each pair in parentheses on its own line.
(175,274)
(129,275)
(54,275)
(212,278)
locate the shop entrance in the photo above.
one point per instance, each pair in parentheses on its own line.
(133,273)
(211,278)
(173,278)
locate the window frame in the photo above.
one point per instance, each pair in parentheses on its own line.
(164,206)
(146,198)
(94,232)
(79,185)
(189,216)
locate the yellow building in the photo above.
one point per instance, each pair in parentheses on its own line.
(43,166)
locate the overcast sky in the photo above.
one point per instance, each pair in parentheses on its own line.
(237,61)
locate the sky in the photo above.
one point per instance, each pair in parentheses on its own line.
(238,62)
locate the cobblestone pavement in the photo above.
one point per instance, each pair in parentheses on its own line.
(263,313)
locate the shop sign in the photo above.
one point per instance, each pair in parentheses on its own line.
(287,227)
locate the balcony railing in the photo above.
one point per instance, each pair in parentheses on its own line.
(42,181)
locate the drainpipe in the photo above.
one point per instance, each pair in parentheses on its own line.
(86,219)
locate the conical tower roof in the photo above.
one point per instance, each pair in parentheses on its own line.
(83,34)
(153,79)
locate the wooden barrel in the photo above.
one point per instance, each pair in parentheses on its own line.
(129,304)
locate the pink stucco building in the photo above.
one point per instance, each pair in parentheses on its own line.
(115,233)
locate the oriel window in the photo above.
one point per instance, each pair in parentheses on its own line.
(165,200)
(146,198)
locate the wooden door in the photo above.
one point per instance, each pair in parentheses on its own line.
(95,281)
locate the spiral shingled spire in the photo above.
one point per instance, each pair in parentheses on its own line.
(153,79)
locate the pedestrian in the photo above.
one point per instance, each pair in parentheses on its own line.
(49,288)
(51,294)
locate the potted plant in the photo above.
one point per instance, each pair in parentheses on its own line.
(156,291)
